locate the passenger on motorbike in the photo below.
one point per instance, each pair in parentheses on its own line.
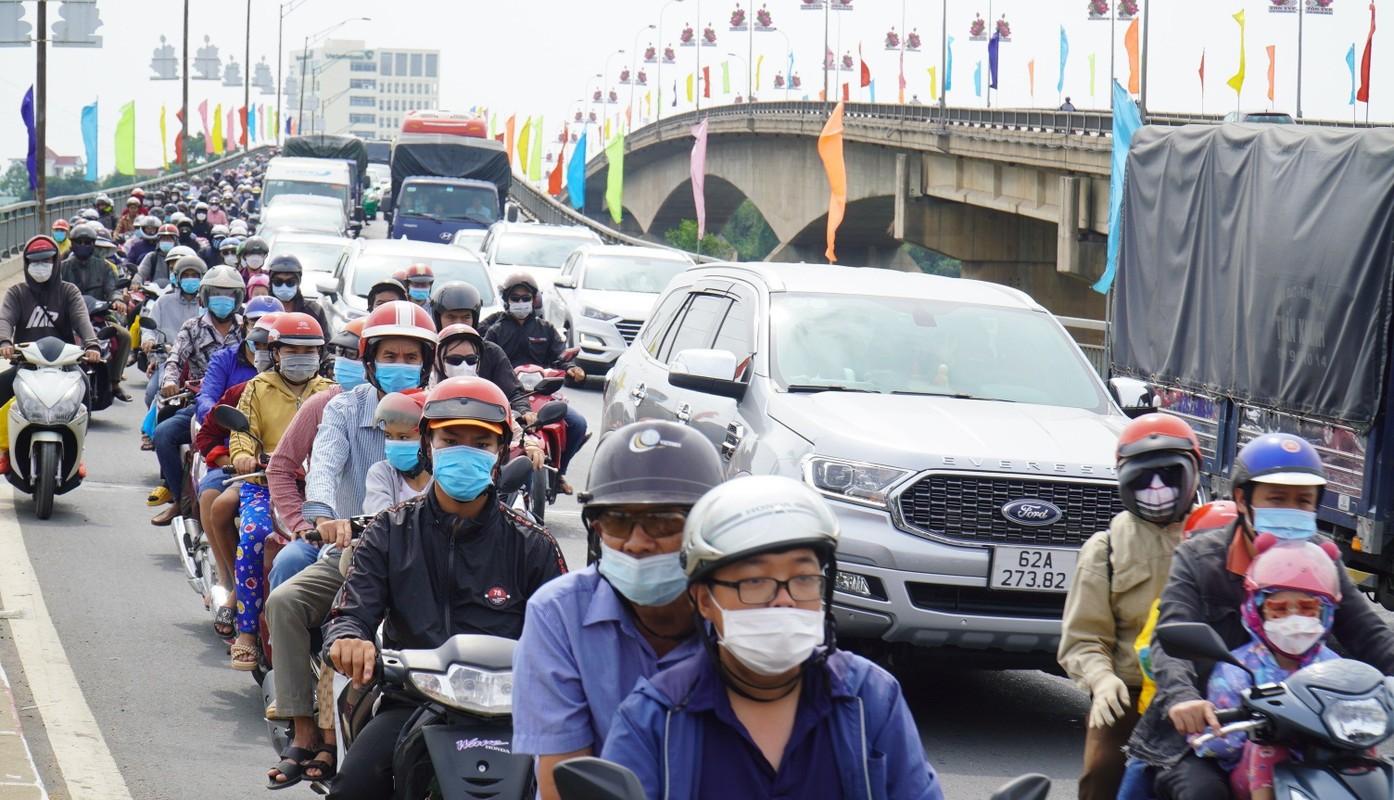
(456,303)
(285,273)
(269,402)
(92,275)
(202,225)
(187,237)
(59,233)
(154,267)
(127,223)
(457,539)
(461,353)
(591,635)
(216,216)
(772,708)
(212,254)
(385,291)
(1277,480)
(170,311)
(146,242)
(259,285)
(402,475)
(252,255)
(106,212)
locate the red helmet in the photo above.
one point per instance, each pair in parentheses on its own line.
(397,318)
(261,331)
(467,401)
(401,407)
(1214,514)
(418,272)
(1158,468)
(61,225)
(1159,431)
(297,328)
(456,331)
(400,275)
(168,230)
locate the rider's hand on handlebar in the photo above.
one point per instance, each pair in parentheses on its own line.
(92,356)
(7,351)
(169,390)
(244,465)
(335,531)
(529,418)
(118,306)
(147,345)
(576,374)
(1192,717)
(534,454)
(354,658)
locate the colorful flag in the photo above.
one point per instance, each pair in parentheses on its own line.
(1272,66)
(1363,93)
(1130,43)
(993,45)
(698,170)
(1064,56)
(866,71)
(535,165)
(706,81)
(1092,72)
(89,138)
(524,143)
(606,135)
(264,118)
(846,92)
(1350,64)
(508,129)
(1126,121)
(726,77)
(207,137)
(218,129)
(126,138)
(231,130)
(933,85)
(1031,76)
(164,141)
(872,89)
(242,117)
(689,89)
(978,80)
(179,137)
(830,150)
(1237,82)
(576,172)
(252,122)
(949,66)
(554,180)
(26,113)
(648,102)
(614,180)
(675,91)
(1202,72)
(759,65)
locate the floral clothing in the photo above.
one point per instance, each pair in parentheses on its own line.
(195,343)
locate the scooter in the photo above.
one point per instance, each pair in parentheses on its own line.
(542,387)
(48,419)
(524,498)
(1332,712)
(190,540)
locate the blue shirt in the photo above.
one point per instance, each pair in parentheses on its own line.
(225,371)
(579,656)
(346,445)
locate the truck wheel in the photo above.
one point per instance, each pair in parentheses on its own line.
(45,478)
(1384,591)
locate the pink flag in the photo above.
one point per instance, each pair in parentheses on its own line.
(699,176)
(227,131)
(207,139)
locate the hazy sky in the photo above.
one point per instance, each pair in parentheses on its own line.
(534,56)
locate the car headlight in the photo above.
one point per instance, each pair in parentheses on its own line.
(595,313)
(853,481)
(1358,723)
(468,689)
(62,411)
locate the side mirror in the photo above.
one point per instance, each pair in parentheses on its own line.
(1195,641)
(148,324)
(564,282)
(231,418)
(109,332)
(1132,395)
(511,214)
(327,285)
(590,778)
(514,474)
(123,282)
(1027,787)
(707,371)
(547,387)
(551,413)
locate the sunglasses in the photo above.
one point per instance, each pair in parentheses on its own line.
(285,281)
(656,524)
(84,240)
(1279,609)
(457,360)
(520,298)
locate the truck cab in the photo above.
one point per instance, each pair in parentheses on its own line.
(434,209)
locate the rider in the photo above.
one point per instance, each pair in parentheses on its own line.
(1119,575)
(170,311)
(1277,482)
(401,475)
(106,212)
(227,251)
(128,223)
(85,268)
(202,226)
(772,708)
(456,303)
(461,353)
(528,339)
(252,254)
(153,267)
(418,280)
(458,539)
(147,235)
(286,274)
(216,216)
(591,635)
(385,290)
(59,233)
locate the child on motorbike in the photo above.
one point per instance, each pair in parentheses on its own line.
(402,475)
(1293,590)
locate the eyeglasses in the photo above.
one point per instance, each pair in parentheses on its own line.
(520,298)
(760,591)
(457,360)
(285,281)
(1274,608)
(657,524)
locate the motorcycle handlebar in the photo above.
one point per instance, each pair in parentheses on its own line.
(1225,730)
(357,525)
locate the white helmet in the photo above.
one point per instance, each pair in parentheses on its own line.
(176,253)
(222,277)
(752,515)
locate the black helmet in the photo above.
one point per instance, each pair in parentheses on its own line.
(518,279)
(387,285)
(255,244)
(456,296)
(285,263)
(651,463)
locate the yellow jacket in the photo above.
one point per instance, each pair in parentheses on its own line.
(1121,572)
(270,404)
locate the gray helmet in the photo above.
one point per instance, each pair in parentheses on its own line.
(753,515)
(222,277)
(651,463)
(86,230)
(178,252)
(188,262)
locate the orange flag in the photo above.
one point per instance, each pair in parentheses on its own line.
(1272,62)
(1130,43)
(846,92)
(830,150)
(1031,71)
(554,180)
(508,136)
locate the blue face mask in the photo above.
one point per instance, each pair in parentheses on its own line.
(190,286)
(420,295)
(60,236)
(221,307)
(285,293)
(403,456)
(463,472)
(653,581)
(348,373)
(1288,524)
(166,246)
(397,377)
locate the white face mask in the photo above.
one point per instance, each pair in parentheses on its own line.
(771,641)
(261,360)
(1294,635)
(255,260)
(520,310)
(1157,499)
(461,370)
(41,272)
(230,259)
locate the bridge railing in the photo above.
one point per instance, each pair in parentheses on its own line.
(19,222)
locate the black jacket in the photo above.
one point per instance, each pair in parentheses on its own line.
(1202,589)
(92,276)
(495,367)
(429,575)
(532,341)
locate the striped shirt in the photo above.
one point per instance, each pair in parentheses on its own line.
(346,445)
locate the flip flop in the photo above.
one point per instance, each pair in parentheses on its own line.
(223,622)
(242,665)
(327,769)
(292,766)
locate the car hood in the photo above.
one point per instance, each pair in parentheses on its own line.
(629,305)
(919,432)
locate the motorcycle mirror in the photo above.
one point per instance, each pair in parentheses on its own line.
(514,474)
(123,282)
(148,324)
(590,778)
(109,332)
(553,412)
(548,386)
(1194,641)
(231,418)
(1033,786)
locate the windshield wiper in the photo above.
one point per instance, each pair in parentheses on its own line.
(431,217)
(825,387)
(954,395)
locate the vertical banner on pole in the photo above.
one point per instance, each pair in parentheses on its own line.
(89,139)
(698,172)
(217,135)
(26,113)
(614,180)
(830,151)
(1272,69)
(126,139)
(1064,57)
(1237,81)
(576,172)
(207,137)
(164,141)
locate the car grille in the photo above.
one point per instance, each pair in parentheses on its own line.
(984,602)
(629,328)
(969,508)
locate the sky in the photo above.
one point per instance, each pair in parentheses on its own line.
(534,57)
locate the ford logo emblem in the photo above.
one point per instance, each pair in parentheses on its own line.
(1032,513)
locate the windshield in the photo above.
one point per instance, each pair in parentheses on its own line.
(338,191)
(918,346)
(371,268)
(526,250)
(290,215)
(630,273)
(449,202)
(314,256)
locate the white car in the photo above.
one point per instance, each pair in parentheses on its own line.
(302,214)
(343,295)
(538,250)
(472,239)
(603,296)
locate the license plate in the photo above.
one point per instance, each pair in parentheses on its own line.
(1032,569)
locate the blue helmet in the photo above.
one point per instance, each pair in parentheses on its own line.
(1279,458)
(259,307)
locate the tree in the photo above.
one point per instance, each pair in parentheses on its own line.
(684,237)
(934,263)
(749,233)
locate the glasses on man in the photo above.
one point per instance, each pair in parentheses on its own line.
(656,524)
(760,591)
(1273,608)
(285,281)
(457,359)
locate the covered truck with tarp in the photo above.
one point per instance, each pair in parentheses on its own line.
(442,183)
(336,147)
(1254,295)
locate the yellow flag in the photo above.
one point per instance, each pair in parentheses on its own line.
(689,87)
(535,163)
(759,63)
(607,129)
(164,147)
(524,139)
(933,84)
(648,104)
(218,130)
(1237,82)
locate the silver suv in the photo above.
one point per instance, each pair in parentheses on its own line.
(960,434)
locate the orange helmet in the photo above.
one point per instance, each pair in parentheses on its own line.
(296,328)
(1157,431)
(467,401)
(1158,468)
(1214,514)
(168,230)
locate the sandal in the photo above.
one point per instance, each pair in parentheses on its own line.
(146,443)
(326,769)
(243,664)
(120,394)
(563,486)
(223,622)
(292,766)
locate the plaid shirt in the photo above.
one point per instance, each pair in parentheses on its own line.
(196,342)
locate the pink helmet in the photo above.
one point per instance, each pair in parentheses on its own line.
(1299,566)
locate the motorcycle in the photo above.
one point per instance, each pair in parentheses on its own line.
(48,419)
(99,396)
(190,540)
(1332,712)
(542,386)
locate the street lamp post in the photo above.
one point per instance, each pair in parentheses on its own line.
(634,73)
(286,8)
(246,71)
(789,62)
(746,65)
(305,57)
(659,77)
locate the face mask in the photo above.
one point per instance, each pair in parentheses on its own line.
(771,641)
(397,377)
(255,260)
(656,580)
(420,295)
(230,259)
(221,307)
(1157,501)
(1294,635)
(1290,524)
(520,310)
(189,285)
(463,472)
(299,367)
(403,456)
(285,293)
(41,272)
(166,246)
(200,216)
(60,236)
(262,360)
(83,250)
(348,373)
(461,370)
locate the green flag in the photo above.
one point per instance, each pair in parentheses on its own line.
(726,77)
(126,139)
(614,186)
(535,157)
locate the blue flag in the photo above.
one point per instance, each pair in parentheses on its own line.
(287,124)
(872,87)
(576,173)
(978,80)
(1126,121)
(992,46)
(251,123)
(89,138)
(26,112)
(1064,55)
(949,66)
(1350,62)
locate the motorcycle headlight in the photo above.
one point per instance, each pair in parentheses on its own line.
(529,380)
(1358,723)
(595,313)
(468,689)
(853,481)
(60,412)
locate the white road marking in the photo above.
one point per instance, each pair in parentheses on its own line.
(89,771)
(9,778)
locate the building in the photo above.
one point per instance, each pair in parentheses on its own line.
(363,92)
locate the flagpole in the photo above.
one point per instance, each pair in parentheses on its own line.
(184,143)
(697,76)
(943,53)
(1300,17)
(991,26)
(1146,33)
(1112,47)
(827,10)
(41,120)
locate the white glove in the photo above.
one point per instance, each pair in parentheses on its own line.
(1111,699)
